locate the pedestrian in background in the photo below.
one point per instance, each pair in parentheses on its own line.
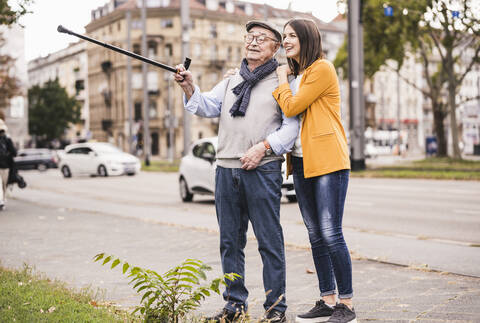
(7,152)
(320,164)
(253,135)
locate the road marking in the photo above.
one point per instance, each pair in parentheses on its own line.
(413,237)
(358,203)
(460,211)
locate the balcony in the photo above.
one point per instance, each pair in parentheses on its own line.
(217,63)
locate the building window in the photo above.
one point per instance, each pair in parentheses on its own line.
(138,111)
(137,49)
(152,48)
(152,113)
(79,86)
(213,52)
(213,30)
(166,23)
(137,24)
(197,50)
(168,50)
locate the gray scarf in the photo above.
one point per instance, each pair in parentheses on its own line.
(243,90)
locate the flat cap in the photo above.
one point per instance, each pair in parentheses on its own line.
(266,25)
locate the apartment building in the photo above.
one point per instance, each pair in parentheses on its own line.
(69,65)
(15,114)
(400,103)
(216,45)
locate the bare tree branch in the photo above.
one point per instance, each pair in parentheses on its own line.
(406,80)
(470,65)
(437,43)
(472,98)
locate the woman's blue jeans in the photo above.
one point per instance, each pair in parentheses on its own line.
(321,200)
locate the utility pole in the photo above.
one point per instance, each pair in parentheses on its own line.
(129,83)
(185,18)
(146,105)
(355,78)
(170,119)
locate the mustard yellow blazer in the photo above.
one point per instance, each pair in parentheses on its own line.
(324,143)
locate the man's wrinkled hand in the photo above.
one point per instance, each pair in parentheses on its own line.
(253,156)
(184,78)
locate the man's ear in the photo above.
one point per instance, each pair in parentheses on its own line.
(277,47)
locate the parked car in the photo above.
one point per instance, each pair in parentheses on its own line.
(97,158)
(36,158)
(197,172)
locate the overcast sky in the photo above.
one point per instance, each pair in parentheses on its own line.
(41,37)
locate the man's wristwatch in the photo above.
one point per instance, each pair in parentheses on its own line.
(268,150)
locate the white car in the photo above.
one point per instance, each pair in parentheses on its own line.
(197,172)
(97,158)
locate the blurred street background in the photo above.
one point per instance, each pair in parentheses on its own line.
(80,114)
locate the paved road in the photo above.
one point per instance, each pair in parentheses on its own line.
(422,223)
(61,243)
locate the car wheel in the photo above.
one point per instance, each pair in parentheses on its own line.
(102,171)
(184,192)
(292,198)
(42,167)
(66,172)
(130,174)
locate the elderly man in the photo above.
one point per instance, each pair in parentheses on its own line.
(253,135)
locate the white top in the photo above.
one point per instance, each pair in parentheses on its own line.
(297,146)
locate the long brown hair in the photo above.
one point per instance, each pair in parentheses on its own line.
(310,43)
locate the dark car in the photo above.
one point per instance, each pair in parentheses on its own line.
(36,158)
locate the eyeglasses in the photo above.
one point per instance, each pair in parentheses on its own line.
(259,38)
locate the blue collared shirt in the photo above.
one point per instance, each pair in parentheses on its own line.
(209,105)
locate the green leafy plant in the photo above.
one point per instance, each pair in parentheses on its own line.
(171,296)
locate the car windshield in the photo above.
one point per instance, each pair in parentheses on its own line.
(106,149)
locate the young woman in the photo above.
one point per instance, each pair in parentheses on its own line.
(320,164)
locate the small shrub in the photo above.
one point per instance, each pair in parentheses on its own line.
(169,297)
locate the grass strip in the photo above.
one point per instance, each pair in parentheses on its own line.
(25,297)
(430,168)
(161,166)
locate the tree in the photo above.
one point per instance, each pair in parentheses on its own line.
(9,85)
(455,32)
(427,28)
(384,38)
(9,15)
(51,110)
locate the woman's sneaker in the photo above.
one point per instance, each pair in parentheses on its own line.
(342,314)
(318,311)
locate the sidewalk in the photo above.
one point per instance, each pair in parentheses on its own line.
(62,242)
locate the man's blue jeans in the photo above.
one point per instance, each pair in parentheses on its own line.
(321,200)
(254,195)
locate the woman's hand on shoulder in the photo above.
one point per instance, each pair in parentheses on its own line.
(230,72)
(284,70)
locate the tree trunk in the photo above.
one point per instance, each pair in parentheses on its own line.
(453,121)
(452,104)
(439,129)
